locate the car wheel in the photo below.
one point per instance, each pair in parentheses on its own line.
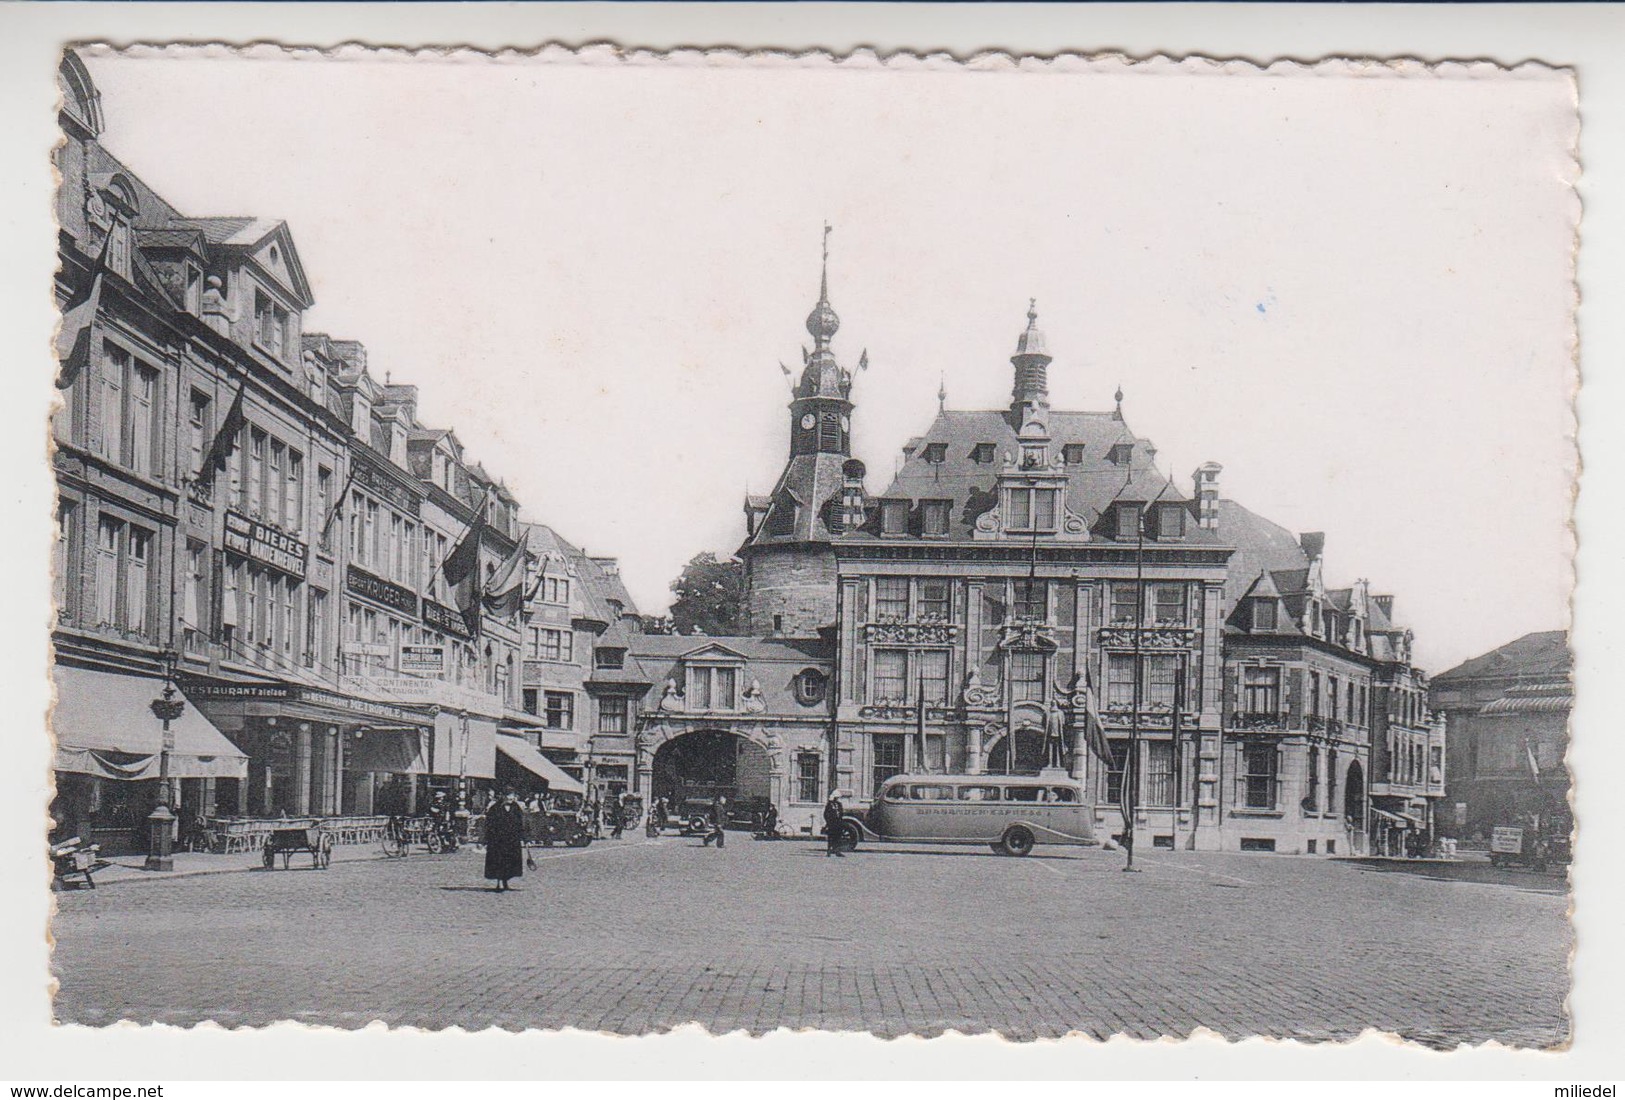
(847,839)
(1017,842)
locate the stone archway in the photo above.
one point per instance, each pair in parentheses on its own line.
(704,763)
(1030,748)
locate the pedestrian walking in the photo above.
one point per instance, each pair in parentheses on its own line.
(504,841)
(834,813)
(617,816)
(719,817)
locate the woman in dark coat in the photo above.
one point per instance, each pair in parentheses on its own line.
(505,841)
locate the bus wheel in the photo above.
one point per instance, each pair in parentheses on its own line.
(1017,842)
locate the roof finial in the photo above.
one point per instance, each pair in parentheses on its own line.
(823,281)
(1032,310)
(1119,412)
(942,394)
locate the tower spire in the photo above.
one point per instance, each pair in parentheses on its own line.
(1031,362)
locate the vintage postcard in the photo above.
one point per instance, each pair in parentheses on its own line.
(600,539)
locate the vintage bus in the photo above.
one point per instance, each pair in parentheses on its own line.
(1008,813)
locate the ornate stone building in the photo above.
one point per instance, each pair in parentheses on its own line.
(1020,558)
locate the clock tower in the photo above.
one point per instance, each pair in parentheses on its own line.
(789,566)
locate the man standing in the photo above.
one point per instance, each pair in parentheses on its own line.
(719,817)
(834,813)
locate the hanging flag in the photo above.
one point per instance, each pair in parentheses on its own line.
(78,317)
(225,440)
(464,559)
(504,594)
(1094,733)
(337,506)
(919,726)
(1529,752)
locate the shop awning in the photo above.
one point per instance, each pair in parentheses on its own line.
(104,726)
(1399,821)
(523,753)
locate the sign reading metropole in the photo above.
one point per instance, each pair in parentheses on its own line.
(264,543)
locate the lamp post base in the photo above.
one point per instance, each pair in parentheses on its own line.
(160,825)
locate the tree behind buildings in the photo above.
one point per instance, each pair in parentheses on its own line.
(707,596)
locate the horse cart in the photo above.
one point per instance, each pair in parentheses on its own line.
(315,842)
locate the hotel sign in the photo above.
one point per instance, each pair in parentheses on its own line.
(423,659)
(447,620)
(382,486)
(391,595)
(265,543)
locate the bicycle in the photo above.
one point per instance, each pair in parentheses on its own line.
(401,834)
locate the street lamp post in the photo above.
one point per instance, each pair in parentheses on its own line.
(160,822)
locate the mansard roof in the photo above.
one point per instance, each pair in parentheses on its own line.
(1543,654)
(1092,484)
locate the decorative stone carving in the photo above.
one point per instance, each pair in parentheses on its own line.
(976,695)
(671,699)
(897,712)
(1028,634)
(990,521)
(915,633)
(1157,637)
(752,699)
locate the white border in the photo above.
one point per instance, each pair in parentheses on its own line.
(1586,37)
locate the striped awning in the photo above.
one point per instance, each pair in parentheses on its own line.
(105,727)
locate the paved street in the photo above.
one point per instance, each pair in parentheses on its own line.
(628,936)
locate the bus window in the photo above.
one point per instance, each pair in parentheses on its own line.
(898,793)
(1062,794)
(920,792)
(978,794)
(1024,794)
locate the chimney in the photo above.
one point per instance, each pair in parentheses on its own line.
(1313,544)
(1386,604)
(1206,480)
(852,514)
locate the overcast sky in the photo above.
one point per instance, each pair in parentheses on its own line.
(1353,291)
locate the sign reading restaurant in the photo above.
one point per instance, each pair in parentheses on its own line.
(293,693)
(264,543)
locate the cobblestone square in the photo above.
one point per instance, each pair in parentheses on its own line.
(638,935)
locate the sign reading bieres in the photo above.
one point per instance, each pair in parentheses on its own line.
(264,543)
(447,620)
(424,659)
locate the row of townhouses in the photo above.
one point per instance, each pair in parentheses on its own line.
(350,608)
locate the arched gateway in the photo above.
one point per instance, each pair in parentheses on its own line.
(705,763)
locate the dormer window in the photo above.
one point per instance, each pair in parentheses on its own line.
(270,324)
(982,454)
(608,657)
(1170,521)
(712,688)
(934,517)
(1032,510)
(935,453)
(1121,454)
(1072,453)
(194,290)
(1264,614)
(894,517)
(555,590)
(1128,521)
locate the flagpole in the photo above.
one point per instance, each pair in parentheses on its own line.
(1131,770)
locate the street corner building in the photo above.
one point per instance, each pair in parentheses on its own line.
(328,596)
(1029,573)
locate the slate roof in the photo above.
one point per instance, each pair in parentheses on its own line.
(1260,546)
(1092,485)
(1543,654)
(771,662)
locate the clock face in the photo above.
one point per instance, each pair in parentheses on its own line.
(846,424)
(808,421)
